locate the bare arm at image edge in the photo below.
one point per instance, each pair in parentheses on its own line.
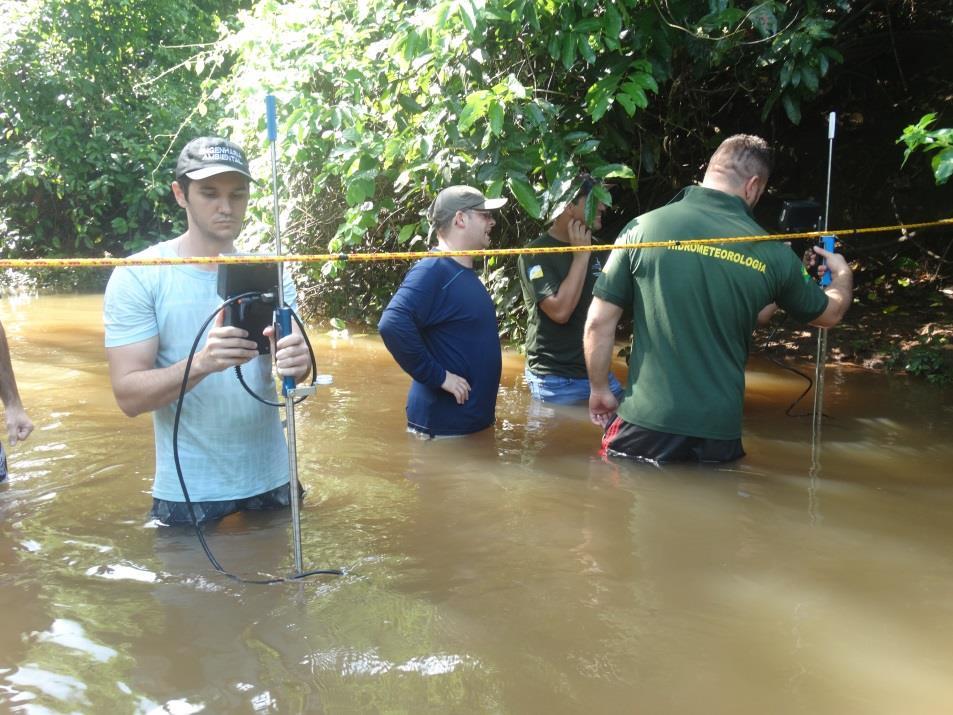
(19,426)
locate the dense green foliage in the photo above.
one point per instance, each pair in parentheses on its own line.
(918,137)
(383,103)
(89,109)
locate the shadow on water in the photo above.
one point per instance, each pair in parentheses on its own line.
(512,571)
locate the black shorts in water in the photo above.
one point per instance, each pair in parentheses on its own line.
(174,513)
(3,463)
(623,439)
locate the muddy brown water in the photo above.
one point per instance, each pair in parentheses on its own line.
(510,572)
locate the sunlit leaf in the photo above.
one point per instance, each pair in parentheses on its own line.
(636,94)
(467,15)
(496,118)
(475,108)
(613,171)
(600,95)
(943,166)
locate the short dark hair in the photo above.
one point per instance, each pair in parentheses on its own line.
(744,156)
(184,184)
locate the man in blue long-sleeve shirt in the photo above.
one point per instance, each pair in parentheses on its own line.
(441,328)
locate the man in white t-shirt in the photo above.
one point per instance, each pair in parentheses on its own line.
(231,447)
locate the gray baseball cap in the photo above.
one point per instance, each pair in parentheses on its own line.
(207,156)
(458,198)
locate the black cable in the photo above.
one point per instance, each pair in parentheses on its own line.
(178,466)
(810,384)
(810,380)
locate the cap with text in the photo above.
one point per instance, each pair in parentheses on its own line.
(208,156)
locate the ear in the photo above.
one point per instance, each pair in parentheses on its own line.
(460,219)
(754,186)
(179,195)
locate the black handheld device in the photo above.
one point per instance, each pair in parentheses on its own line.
(802,216)
(251,314)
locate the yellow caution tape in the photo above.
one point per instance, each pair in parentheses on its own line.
(26,263)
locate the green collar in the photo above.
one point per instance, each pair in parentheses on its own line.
(713,199)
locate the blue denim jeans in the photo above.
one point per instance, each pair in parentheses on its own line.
(564,390)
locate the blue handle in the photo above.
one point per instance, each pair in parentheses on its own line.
(827,243)
(283,323)
(271,116)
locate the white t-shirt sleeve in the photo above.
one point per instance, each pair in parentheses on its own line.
(129,313)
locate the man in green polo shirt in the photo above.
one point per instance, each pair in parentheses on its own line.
(694,308)
(557,290)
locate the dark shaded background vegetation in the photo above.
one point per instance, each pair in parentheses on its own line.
(382,103)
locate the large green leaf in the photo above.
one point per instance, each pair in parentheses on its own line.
(468,15)
(496,117)
(809,77)
(475,108)
(525,195)
(791,108)
(568,51)
(600,96)
(943,165)
(613,26)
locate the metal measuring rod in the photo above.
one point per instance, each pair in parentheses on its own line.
(828,244)
(289,389)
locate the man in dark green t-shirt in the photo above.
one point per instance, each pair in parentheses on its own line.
(694,308)
(557,290)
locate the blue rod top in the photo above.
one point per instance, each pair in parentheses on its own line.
(271,114)
(828,245)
